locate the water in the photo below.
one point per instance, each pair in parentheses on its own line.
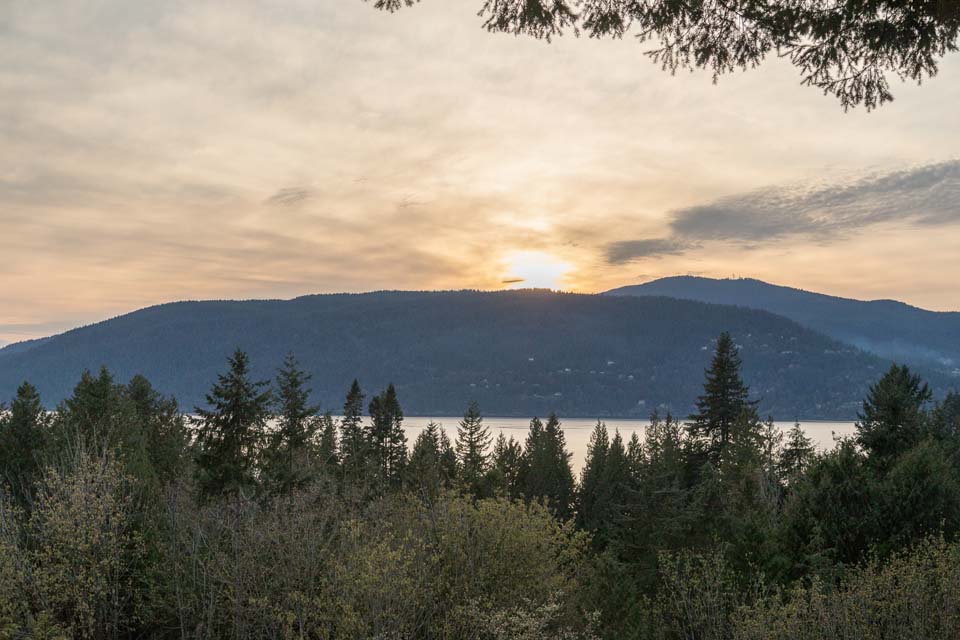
(577,431)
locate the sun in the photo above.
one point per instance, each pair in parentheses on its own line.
(534,269)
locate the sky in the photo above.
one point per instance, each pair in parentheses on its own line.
(160,151)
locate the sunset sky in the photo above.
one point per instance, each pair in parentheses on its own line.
(157,151)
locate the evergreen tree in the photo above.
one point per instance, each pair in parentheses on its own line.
(507,465)
(594,491)
(23,434)
(160,429)
(231,431)
(387,441)
(797,454)
(831,515)
(652,493)
(353,442)
(724,402)
(290,461)
(448,460)
(947,417)
(92,416)
(473,440)
(328,453)
(424,472)
(893,418)
(547,474)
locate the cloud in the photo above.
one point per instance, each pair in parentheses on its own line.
(926,195)
(627,250)
(290,197)
(160,151)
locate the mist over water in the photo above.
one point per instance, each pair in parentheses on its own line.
(577,431)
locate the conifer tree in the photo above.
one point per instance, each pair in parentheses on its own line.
(947,416)
(592,492)
(159,429)
(23,434)
(797,454)
(353,443)
(91,417)
(507,464)
(289,460)
(547,474)
(231,431)
(894,416)
(448,460)
(328,452)
(724,402)
(473,440)
(424,473)
(387,441)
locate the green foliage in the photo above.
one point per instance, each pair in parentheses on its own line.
(69,568)
(718,529)
(845,50)
(591,494)
(354,448)
(797,454)
(914,594)
(473,440)
(546,474)
(425,473)
(291,458)
(507,466)
(310,565)
(893,418)
(387,441)
(231,432)
(328,450)
(724,404)
(23,434)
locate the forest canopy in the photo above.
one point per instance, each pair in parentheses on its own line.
(259,516)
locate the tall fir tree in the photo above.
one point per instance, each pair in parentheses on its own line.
(159,429)
(231,431)
(593,491)
(724,402)
(290,460)
(507,464)
(353,440)
(448,460)
(797,454)
(894,416)
(547,474)
(328,452)
(23,435)
(946,418)
(424,472)
(388,442)
(92,417)
(473,440)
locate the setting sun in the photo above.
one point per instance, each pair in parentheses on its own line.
(535,269)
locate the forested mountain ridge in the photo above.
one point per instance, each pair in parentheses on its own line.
(889,328)
(515,352)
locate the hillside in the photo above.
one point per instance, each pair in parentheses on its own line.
(516,352)
(888,328)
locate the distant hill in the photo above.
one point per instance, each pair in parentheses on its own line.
(890,329)
(20,347)
(515,352)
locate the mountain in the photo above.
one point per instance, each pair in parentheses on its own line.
(516,352)
(890,329)
(19,347)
